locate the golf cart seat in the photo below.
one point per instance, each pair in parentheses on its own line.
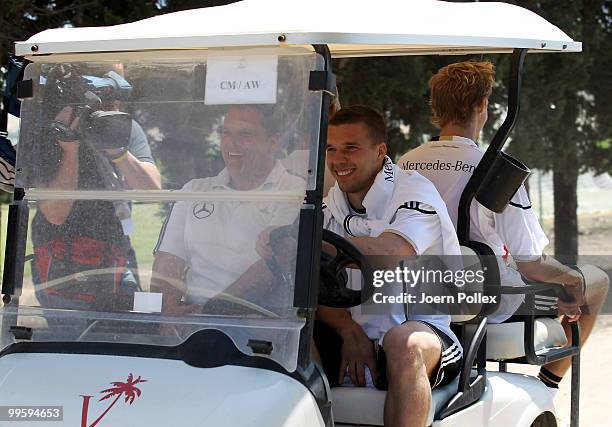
(506,341)
(365,406)
(536,340)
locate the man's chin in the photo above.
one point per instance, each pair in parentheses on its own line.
(346,187)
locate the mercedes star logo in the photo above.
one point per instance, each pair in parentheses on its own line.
(203,210)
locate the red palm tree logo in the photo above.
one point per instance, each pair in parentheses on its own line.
(127,389)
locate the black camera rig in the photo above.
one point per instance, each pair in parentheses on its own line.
(90,98)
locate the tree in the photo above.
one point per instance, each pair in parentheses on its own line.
(565,113)
(20,19)
(397,87)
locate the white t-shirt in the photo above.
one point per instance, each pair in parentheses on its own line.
(449,163)
(217,239)
(415,220)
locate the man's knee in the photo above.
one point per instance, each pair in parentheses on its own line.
(412,346)
(597,284)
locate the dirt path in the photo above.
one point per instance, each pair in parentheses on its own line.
(595,386)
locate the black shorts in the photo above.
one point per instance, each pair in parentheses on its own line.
(329,345)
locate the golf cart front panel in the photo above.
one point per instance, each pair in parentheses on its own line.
(183,106)
(152,392)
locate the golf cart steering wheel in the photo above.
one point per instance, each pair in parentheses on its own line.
(333,291)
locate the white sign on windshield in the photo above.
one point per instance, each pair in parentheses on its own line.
(148,302)
(241,80)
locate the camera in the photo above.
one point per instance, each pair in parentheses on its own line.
(87,95)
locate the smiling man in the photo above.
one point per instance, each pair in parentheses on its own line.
(385,211)
(206,246)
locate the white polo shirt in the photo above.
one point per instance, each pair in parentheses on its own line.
(217,239)
(449,164)
(408,205)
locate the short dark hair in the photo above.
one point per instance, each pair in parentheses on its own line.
(270,116)
(371,118)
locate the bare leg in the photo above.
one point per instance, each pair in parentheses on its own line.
(413,354)
(597,282)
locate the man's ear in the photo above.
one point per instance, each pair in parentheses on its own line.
(382,149)
(275,140)
(482,105)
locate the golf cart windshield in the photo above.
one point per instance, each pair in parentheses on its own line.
(112,255)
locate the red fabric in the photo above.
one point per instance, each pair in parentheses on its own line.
(85,251)
(505,256)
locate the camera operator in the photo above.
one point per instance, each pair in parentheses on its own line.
(94,150)
(133,163)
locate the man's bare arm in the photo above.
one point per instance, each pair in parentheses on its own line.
(67,176)
(339,319)
(388,249)
(357,349)
(253,283)
(56,211)
(549,270)
(138,174)
(387,244)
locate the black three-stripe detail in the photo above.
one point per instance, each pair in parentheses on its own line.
(516,205)
(415,206)
(346,225)
(162,232)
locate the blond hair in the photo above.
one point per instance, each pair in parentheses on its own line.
(457,88)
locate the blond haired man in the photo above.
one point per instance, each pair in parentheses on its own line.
(459,98)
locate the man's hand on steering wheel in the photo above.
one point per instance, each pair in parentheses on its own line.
(277,246)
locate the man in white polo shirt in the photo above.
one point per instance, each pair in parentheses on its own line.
(459,96)
(385,211)
(206,246)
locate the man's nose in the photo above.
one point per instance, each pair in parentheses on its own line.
(228,140)
(337,157)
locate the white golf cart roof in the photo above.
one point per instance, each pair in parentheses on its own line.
(348,27)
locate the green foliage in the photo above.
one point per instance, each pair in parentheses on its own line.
(397,86)
(565,107)
(20,19)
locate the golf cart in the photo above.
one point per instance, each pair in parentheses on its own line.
(122,358)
